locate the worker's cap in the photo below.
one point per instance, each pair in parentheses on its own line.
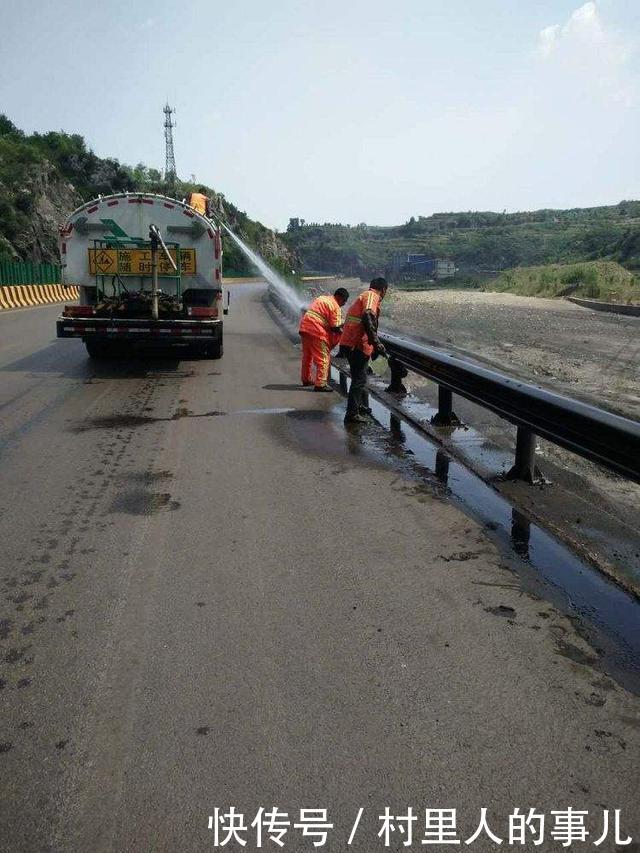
(379,284)
(342,292)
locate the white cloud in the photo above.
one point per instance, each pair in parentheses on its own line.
(588,52)
(584,28)
(548,39)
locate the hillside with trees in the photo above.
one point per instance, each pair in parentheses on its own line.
(43,177)
(479,242)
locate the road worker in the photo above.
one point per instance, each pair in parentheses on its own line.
(199,201)
(360,342)
(320,330)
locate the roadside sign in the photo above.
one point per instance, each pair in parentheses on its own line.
(138,262)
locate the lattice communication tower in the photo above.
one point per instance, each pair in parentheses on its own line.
(170,160)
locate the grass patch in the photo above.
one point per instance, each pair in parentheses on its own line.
(605,280)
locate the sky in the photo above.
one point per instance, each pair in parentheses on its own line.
(344,110)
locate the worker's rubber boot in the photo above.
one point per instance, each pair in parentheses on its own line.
(355,419)
(325,389)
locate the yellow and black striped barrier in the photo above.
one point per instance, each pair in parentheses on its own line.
(30,295)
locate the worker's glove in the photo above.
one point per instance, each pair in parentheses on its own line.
(380,350)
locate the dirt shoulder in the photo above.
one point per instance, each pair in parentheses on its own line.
(587,354)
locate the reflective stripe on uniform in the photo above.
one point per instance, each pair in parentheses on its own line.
(321,316)
(370,301)
(315,314)
(315,353)
(354,334)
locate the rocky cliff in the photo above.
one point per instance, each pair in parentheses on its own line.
(44,199)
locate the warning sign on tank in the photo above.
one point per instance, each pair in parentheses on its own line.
(138,262)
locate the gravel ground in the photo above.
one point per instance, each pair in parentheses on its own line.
(583,353)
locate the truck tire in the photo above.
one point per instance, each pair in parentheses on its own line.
(215,350)
(98,349)
(212,350)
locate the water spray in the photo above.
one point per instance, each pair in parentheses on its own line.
(287,293)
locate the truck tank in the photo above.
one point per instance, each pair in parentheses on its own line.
(108,248)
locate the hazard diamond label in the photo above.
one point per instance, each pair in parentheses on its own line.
(105,262)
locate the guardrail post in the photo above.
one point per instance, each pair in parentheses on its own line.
(525,467)
(398,373)
(445,416)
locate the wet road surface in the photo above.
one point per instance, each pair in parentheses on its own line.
(213,596)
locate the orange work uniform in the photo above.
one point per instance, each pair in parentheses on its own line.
(199,202)
(354,334)
(318,339)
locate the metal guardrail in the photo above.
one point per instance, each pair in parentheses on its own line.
(283,305)
(610,307)
(610,440)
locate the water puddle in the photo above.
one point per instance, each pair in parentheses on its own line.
(606,616)
(473,444)
(612,535)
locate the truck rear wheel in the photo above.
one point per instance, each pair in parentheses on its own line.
(214,350)
(211,350)
(98,349)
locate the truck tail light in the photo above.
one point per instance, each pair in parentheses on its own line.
(203,313)
(78,311)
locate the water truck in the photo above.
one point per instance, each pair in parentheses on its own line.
(149,273)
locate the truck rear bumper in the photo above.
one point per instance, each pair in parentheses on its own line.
(154,332)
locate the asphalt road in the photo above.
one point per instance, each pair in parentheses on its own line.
(213,596)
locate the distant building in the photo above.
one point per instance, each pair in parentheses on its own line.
(445,268)
(411,266)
